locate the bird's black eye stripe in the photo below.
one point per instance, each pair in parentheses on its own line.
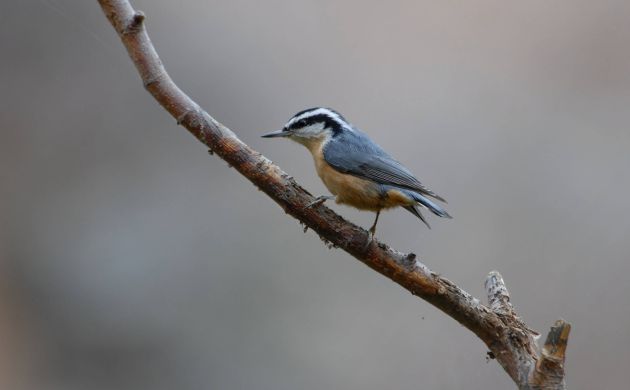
(301,123)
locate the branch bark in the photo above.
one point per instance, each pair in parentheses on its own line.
(510,341)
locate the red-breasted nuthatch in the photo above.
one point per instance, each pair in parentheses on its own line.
(356,170)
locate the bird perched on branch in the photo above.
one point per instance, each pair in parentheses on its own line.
(356,170)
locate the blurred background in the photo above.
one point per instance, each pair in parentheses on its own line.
(131,259)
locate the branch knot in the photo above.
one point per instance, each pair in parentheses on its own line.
(135,23)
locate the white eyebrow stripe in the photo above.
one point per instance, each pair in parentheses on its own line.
(317,111)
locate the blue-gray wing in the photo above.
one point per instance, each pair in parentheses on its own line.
(352,152)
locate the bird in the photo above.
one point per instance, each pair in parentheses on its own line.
(357,171)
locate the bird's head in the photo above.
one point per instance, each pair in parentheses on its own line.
(312,125)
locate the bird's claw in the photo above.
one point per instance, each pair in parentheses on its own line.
(370,240)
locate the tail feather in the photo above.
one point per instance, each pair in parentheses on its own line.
(414,210)
(426,202)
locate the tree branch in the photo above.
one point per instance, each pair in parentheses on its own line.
(507,337)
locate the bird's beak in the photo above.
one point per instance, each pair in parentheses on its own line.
(279,133)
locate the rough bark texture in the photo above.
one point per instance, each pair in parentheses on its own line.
(510,341)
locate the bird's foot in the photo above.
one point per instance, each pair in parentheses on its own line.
(319,200)
(371,240)
(372,231)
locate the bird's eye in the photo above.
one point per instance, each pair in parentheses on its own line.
(302,123)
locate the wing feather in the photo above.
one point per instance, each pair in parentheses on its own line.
(354,153)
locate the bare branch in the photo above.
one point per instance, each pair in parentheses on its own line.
(507,337)
(549,372)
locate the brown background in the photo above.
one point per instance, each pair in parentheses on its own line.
(130,259)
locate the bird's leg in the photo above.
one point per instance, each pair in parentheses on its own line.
(372,231)
(319,200)
(373,228)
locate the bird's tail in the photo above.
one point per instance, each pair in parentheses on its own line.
(427,203)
